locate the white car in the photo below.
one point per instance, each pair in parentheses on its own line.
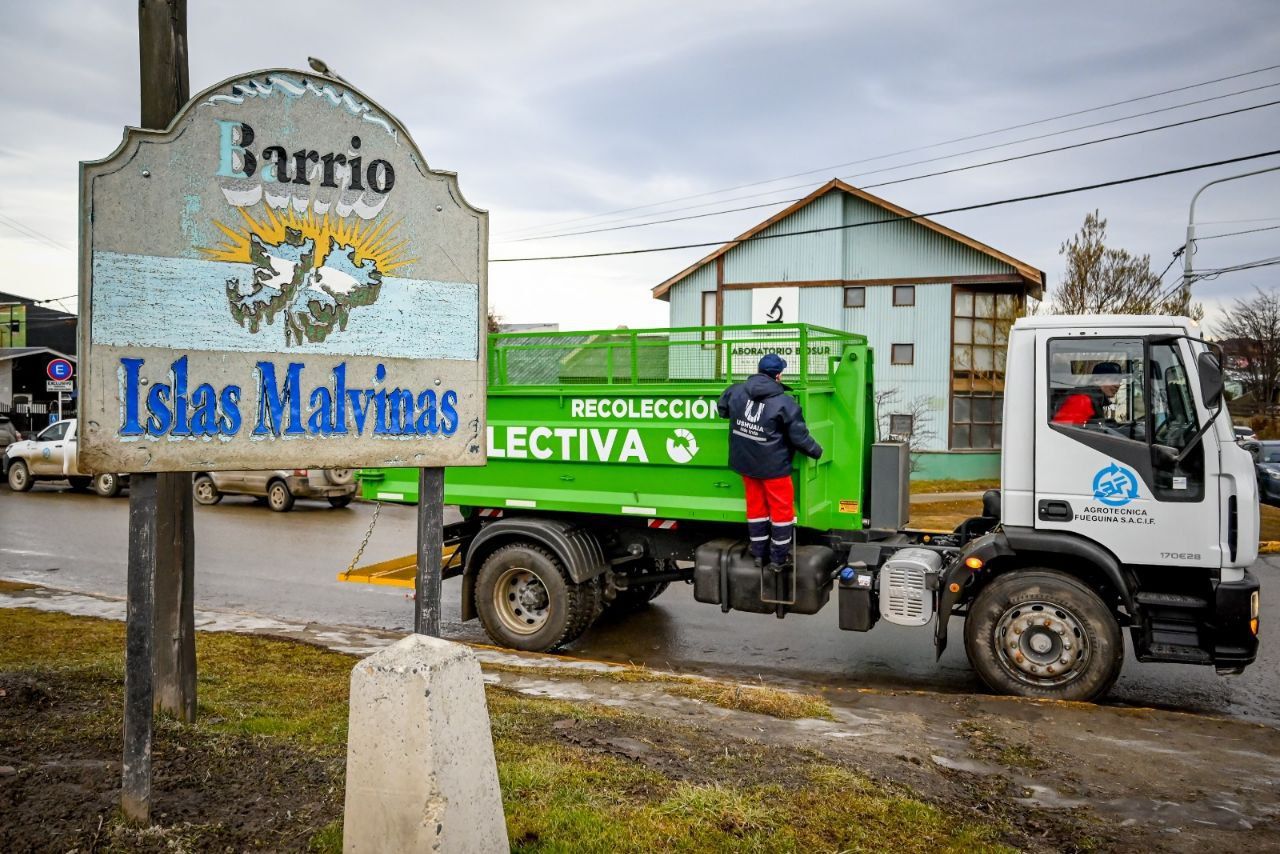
(51,455)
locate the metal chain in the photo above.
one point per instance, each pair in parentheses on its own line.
(377,508)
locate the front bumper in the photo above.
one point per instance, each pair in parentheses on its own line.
(1232,630)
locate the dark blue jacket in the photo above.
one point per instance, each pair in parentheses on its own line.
(766,428)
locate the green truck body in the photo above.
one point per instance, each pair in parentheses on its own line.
(624,422)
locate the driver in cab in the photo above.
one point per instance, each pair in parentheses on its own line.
(1087,405)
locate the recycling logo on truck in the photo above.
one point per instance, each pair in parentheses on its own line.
(682,447)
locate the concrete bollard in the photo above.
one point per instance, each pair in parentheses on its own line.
(420,769)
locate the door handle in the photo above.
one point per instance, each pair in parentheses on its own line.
(1054,510)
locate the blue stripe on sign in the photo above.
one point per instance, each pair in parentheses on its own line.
(181,304)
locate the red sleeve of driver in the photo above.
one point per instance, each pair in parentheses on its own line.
(1076,409)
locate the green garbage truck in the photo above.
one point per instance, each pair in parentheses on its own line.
(607,480)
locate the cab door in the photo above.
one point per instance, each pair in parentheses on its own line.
(50,444)
(1131,475)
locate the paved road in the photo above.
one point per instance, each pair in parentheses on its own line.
(284,565)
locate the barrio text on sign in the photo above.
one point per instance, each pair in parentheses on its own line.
(279,280)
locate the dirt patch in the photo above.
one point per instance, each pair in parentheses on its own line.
(60,777)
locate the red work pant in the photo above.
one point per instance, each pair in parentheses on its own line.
(771,516)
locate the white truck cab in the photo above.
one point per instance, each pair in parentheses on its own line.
(1120,476)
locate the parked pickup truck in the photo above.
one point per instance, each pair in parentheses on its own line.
(51,455)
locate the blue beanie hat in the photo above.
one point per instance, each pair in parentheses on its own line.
(772,364)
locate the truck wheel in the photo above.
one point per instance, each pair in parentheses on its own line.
(1041,633)
(19,476)
(107,485)
(526,600)
(79,484)
(279,498)
(206,491)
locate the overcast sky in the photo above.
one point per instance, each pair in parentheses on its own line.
(553,112)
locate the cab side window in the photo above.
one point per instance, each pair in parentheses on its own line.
(1174,423)
(1133,402)
(1095,384)
(54,432)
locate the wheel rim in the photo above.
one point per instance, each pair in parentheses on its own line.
(1042,644)
(106,482)
(18,474)
(277,497)
(521,601)
(204,490)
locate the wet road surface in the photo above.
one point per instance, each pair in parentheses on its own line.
(285,564)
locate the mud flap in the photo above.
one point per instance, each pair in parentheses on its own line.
(958,576)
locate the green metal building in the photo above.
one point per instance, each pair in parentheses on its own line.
(934,304)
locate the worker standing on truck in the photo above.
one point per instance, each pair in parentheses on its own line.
(766,428)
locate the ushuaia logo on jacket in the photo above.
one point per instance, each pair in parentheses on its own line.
(1115,485)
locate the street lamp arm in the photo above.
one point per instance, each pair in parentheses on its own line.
(1191,219)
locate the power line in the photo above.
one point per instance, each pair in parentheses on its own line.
(30,233)
(998,161)
(1234,233)
(1046,195)
(908,150)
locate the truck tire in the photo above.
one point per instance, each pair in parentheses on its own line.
(526,600)
(20,479)
(107,485)
(1041,633)
(79,484)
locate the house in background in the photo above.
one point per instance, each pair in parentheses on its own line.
(934,304)
(30,336)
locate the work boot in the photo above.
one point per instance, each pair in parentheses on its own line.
(758,560)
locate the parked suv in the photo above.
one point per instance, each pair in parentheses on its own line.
(279,486)
(51,455)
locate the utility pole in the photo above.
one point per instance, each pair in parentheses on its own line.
(1189,247)
(160,664)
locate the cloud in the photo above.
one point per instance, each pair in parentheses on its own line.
(555,111)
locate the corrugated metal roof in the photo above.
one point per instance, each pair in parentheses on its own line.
(7,353)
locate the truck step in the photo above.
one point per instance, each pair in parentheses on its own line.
(1180,654)
(1171,600)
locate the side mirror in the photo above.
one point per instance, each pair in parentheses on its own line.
(1210,371)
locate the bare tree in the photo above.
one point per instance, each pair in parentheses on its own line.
(922,433)
(1250,334)
(1103,280)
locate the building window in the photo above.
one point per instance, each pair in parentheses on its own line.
(904,295)
(979,342)
(708,317)
(901,426)
(855,297)
(976,421)
(903,354)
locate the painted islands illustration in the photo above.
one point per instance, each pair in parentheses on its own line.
(312,271)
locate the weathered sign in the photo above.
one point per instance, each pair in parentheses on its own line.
(279,280)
